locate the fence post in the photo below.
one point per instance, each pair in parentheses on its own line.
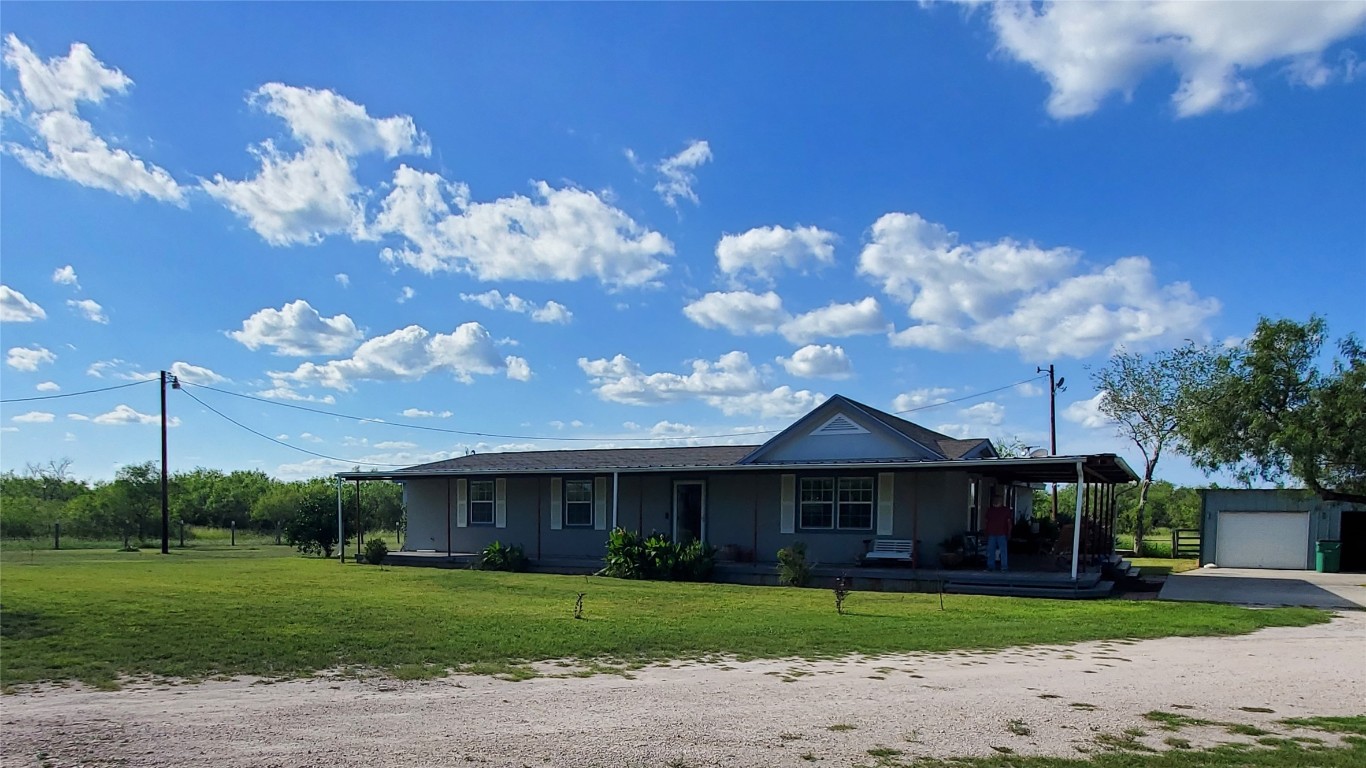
(233,542)
(57,535)
(182,533)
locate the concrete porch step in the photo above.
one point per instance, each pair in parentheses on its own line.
(1099,589)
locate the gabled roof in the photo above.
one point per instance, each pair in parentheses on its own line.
(589,459)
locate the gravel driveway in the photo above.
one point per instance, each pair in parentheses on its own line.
(1038,700)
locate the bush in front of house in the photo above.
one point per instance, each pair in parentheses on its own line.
(375,551)
(793,570)
(632,556)
(498,556)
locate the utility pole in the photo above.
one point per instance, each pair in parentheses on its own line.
(165,504)
(1054,387)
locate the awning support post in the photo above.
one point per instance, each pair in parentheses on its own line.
(1076,520)
(341,556)
(614,500)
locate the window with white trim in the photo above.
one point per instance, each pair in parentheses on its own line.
(829,503)
(481,502)
(578,503)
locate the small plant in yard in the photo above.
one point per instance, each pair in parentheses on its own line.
(578,606)
(841,592)
(793,570)
(498,556)
(632,556)
(375,551)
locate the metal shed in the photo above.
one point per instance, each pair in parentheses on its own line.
(1277,528)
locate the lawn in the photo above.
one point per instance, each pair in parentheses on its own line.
(95,616)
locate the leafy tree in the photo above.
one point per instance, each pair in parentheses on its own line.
(312,528)
(1269,413)
(276,507)
(1148,399)
(136,496)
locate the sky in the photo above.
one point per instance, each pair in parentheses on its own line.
(382,234)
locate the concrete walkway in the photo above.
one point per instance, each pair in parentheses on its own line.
(1252,586)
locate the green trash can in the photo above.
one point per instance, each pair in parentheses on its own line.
(1328,556)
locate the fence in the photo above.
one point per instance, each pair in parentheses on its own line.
(1185,542)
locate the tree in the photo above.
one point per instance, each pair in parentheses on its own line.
(1268,413)
(276,507)
(312,528)
(1148,399)
(137,497)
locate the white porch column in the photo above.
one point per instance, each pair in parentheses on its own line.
(1076,521)
(341,541)
(614,501)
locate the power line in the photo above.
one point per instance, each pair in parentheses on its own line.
(76,394)
(968,397)
(287,445)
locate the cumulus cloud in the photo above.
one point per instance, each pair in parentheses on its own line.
(343,279)
(676,177)
(1088,51)
(1088,414)
(1010,295)
(281,389)
(299,330)
(563,234)
(918,399)
(406,294)
(65,276)
(28,358)
(416,413)
(550,312)
(193,374)
(302,197)
(123,414)
(16,308)
(48,386)
(409,354)
(825,361)
(762,251)
(63,145)
(34,417)
(732,384)
(746,313)
(89,309)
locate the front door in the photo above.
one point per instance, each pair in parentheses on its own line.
(690,520)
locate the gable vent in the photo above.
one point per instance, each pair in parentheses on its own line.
(840,425)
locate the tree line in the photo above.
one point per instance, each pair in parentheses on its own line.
(302,513)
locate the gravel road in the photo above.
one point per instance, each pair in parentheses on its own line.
(1037,700)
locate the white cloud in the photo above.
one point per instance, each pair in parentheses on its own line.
(672,429)
(298,329)
(917,399)
(16,308)
(395,445)
(77,417)
(550,312)
(123,414)
(302,198)
(193,374)
(1088,414)
(824,361)
(764,250)
(89,309)
(409,354)
(28,358)
(65,276)
(745,313)
(9,429)
(564,234)
(1009,295)
(732,384)
(34,417)
(1029,389)
(65,145)
(48,386)
(343,279)
(836,320)
(1088,51)
(309,437)
(283,390)
(676,173)
(415,413)
(989,413)
(406,294)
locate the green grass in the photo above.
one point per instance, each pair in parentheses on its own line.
(1163,566)
(1352,754)
(95,616)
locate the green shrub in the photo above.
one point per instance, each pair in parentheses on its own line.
(696,561)
(632,556)
(625,557)
(793,570)
(498,556)
(375,551)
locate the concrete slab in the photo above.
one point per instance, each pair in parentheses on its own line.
(1253,586)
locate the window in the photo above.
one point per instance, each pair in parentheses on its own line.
(856,503)
(481,502)
(818,501)
(844,503)
(578,503)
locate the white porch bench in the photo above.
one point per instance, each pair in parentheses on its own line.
(891,550)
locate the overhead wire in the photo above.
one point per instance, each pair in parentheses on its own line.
(76,394)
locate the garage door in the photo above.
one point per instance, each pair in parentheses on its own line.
(1263,540)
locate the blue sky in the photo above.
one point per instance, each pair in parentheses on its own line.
(647,224)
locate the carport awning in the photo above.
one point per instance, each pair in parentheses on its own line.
(1098,468)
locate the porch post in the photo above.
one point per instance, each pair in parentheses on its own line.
(448,517)
(1076,520)
(341,528)
(614,501)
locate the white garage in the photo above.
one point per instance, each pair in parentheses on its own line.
(1262,539)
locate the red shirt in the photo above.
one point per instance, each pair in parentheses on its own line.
(999,521)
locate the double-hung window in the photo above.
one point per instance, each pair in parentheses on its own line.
(578,503)
(481,502)
(830,503)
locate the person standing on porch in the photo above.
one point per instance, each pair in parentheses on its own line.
(1000,519)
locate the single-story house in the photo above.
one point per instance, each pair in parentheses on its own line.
(840,479)
(1277,528)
